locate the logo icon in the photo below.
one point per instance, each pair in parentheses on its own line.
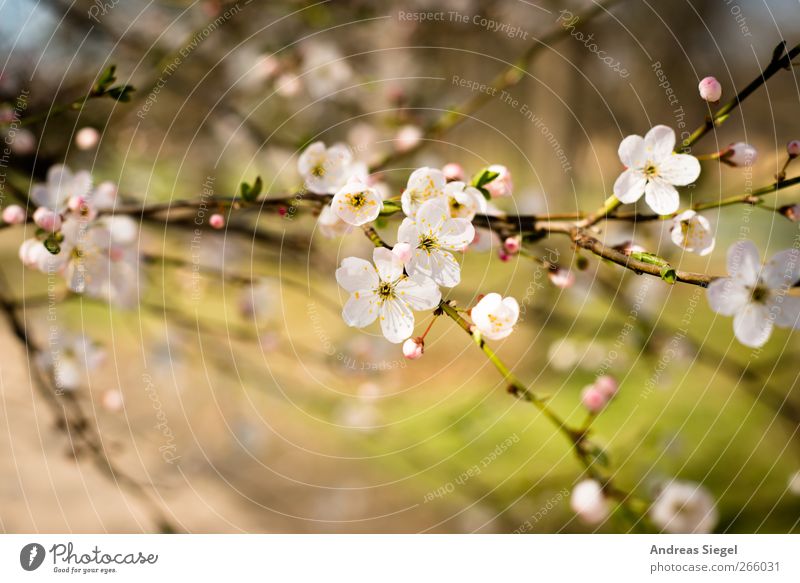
(31,556)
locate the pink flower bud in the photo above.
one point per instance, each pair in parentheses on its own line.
(216,221)
(87,138)
(740,154)
(403,252)
(607,385)
(502,185)
(408,138)
(792,212)
(562,278)
(47,219)
(14,214)
(793,148)
(413,348)
(593,399)
(710,89)
(453,172)
(512,245)
(503,255)
(112,400)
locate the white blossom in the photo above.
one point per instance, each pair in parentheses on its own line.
(356,203)
(383,291)
(69,358)
(60,187)
(423,185)
(433,236)
(757,297)
(684,507)
(654,170)
(692,232)
(465,201)
(588,502)
(325,170)
(330,225)
(495,316)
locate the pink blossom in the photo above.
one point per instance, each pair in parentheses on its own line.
(14,214)
(413,348)
(710,89)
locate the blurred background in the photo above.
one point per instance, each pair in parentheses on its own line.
(234,396)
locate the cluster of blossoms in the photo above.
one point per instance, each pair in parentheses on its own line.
(437,226)
(679,507)
(96,255)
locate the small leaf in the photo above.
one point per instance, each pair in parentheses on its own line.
(250,193)
(645,257)
(669,274)
(484,177)
(390,207)
(106,78)
(52,245)
(121,93)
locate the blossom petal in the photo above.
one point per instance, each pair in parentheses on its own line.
(444,269)
(397,321)
(361,309)
(783,269)
(788,313)
(661,197)
(752,325)
(744,263)
(407,232)
(631,152)
(356,274)
(389,267)
(727,296)
(679,169)
(659,143)
(456,234)
(420,293)
(629,187)
(432,215)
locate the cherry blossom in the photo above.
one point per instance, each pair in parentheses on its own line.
(433,236)
(453,171)
(61,185)
(495,316)
(757,296)
(654,170)
(692,232)
(588,502)
(383,291)
(69,358)
(423,185)
(325,170)
(356,203)
(330,225)
(684,507)
(793,148)
(465,201)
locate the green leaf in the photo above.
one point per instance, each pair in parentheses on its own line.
(121,93)
(390,207)
(645,257)
(250,193)
(483,177)
(52,245)
(669,274)
(106,78)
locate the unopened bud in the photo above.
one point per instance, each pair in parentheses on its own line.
(14,214)
(710,89)
(47,219)
(216,221)
(413,348)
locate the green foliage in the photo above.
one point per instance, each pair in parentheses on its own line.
(249,192)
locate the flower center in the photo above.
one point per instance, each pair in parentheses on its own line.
(357,200)
(760,294)
(650,170)
(428,243)
(385,291)
(318,171)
